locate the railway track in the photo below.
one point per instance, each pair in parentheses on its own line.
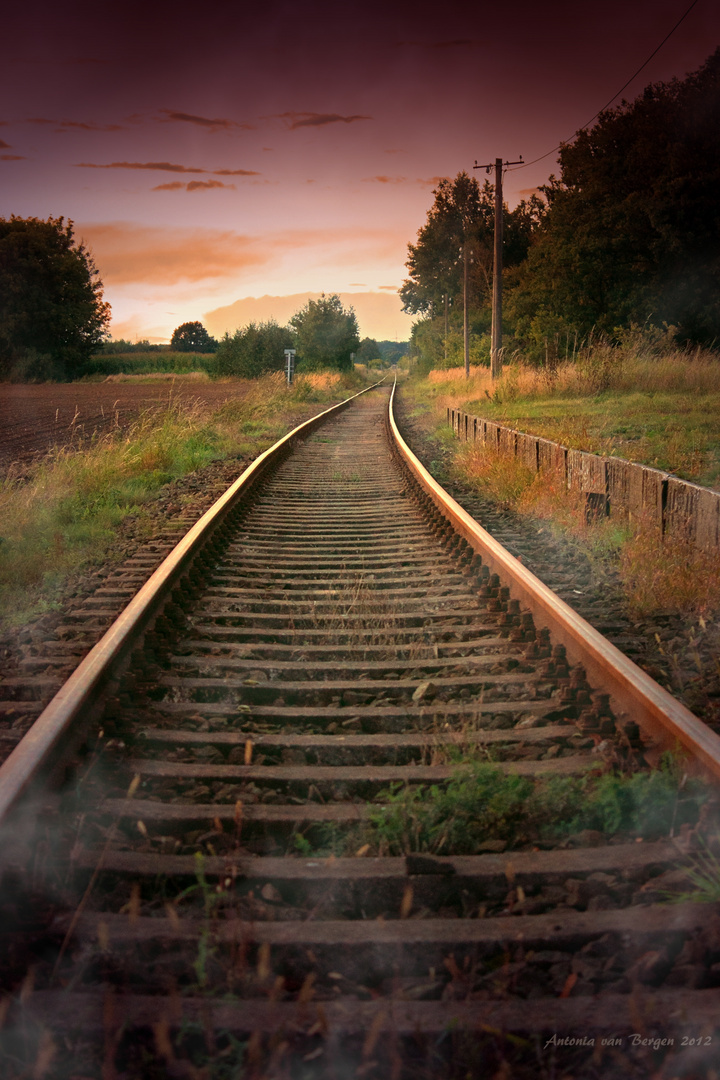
(219,851)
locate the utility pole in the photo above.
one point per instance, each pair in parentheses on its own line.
(496,332)
(466,336)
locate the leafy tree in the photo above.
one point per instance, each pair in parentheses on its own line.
(632,230)
(52,312)
(463,213)
(253,350)
(325,333)
(392,351)
(192,337)
(368,350)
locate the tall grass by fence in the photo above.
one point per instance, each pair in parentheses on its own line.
(672,506)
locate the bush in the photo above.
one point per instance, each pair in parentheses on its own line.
(252,351)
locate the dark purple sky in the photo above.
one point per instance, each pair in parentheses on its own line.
(213,152)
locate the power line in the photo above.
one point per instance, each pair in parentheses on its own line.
(623,87)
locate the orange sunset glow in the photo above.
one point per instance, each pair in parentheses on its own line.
(214,157)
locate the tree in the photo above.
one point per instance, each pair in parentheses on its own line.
(52,312)
(252,351)
(462,214)
(192,337)
(632,232)
(325,333)
(368,350)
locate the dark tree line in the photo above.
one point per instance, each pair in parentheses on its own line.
(629,233)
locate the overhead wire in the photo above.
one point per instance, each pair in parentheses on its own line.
(616,95)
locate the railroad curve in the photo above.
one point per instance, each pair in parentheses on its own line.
(207,888)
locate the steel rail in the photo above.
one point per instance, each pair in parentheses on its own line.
(37,747)
(635,696)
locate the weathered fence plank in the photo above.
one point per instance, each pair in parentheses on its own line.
(527,450)
(506,440)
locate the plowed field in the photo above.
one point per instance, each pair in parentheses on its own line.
(35,418)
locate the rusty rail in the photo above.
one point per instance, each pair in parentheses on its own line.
(37,748)
(635,695)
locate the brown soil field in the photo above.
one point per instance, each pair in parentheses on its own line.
(35,418)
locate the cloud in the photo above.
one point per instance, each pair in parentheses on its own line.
(383,180)
(201,185)
(74,125)
(212,124)
(357,284)
(432,181)
(166,166)
(135,254)
(128,254)
(193,185)
(235,172)
(388,288)
(312,119)
(379,316)
(528,191)
(12,157)
(162,166)
(4,145)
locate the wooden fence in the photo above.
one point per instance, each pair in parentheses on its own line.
(611,486)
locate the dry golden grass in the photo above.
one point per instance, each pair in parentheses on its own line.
(668,574)
(659,574)
(697,372)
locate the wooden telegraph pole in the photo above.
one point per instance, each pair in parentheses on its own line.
(496,332)
(466,336)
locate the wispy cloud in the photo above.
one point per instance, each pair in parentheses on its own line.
(235,172)
(129,254)
(12,157)
(164,166)
(161,166)
(388,288)
(528,191)
(73,125)
(296,120)
(137,254)
(210,123)
(193,185)
(4,145)
(383,179)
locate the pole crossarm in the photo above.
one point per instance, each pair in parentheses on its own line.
(491,166)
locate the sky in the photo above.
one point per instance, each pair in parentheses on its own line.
(211,154)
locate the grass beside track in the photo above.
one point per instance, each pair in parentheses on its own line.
(668,409)
(64,517)
(659,411)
